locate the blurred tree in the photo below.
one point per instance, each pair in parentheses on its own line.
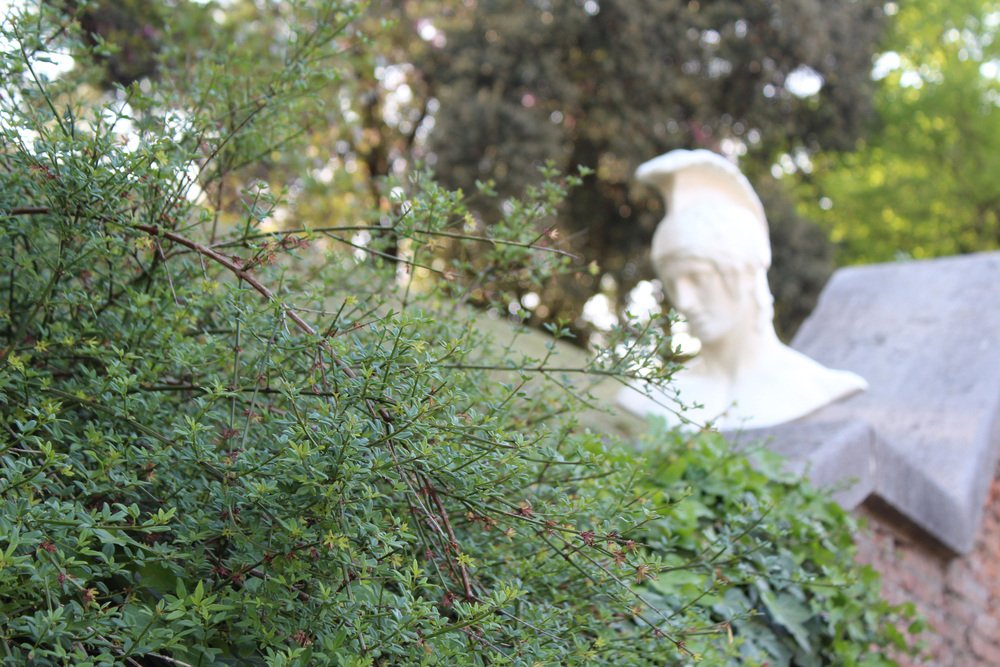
(369,128)
(499,87)
(801,258)
(131,30)
(924,184)
(610,84)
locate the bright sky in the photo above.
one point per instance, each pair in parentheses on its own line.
(53,64)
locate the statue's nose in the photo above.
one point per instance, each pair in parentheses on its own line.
(683,296)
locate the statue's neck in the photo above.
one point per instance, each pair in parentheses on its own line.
(729,358)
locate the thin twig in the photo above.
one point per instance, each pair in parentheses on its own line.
(28,210)
(172,661)
(375,228)
(247,277)
(466,584)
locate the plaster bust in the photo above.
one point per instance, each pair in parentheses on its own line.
(712,253)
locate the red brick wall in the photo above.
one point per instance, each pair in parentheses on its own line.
(959,596)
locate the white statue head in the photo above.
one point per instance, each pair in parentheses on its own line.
(712,253)
(714,236)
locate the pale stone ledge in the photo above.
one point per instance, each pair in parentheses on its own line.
(925,437)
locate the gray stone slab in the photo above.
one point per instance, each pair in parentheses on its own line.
(838,456)
(926,336)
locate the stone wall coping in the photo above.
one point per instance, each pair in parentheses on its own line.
(925,437)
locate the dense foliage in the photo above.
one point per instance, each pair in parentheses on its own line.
(227,444)
(773,570)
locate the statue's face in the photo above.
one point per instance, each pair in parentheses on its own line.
(715,301)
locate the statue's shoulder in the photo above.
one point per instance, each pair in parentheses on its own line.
(787,385)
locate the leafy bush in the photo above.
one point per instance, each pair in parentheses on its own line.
(225,444)
(776,557)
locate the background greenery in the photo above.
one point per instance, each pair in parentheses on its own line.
(865,123)
(920,184)
(612,84)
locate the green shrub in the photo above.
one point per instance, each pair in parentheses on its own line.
(228,445)
(769,556)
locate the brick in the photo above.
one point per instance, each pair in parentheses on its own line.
(938,652)
(987,651)
(923,579)
(959,597)
(962,661)
(961,581)
(987,626)
(940,627)
(962,615)
(977,564)
(925,570)
(867,549)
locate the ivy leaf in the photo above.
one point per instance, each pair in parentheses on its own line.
(787,612)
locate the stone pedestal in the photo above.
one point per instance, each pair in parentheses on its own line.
(925,437)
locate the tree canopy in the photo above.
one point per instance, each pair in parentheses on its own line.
(608,85)
(922,184)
